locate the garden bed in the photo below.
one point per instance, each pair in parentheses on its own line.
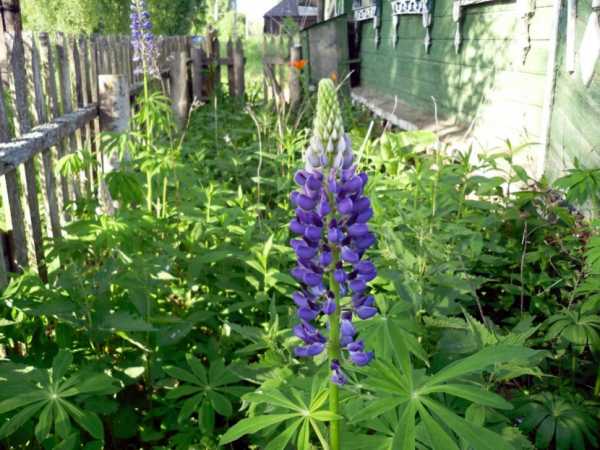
(164,327)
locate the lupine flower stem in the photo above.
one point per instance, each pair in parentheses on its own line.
(333,347)
(148,127)
(333,352)
(145,57)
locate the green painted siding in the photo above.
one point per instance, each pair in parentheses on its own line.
(487,62)
(486,83)
(575,130)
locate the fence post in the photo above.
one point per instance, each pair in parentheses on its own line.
(115,110)
(230,70)
(295,75)
(239,64)
(264,64)
(179,88)
(197,72)
(216,60)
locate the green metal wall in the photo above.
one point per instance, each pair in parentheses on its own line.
(575,126)
(487,87)
(485,84)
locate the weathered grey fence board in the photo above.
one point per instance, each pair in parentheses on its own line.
(230,69)
(66,90)
(49,71)
(15,50)
(14,206)
(81,134)
(50,198)
(18,151)
(197,73)
(239,64)
(85,47)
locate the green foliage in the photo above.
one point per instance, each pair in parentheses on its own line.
(204,391)
(54,399)
(562,422)
(576,327)
(426,397)
(298,409)
(169,17)
(488,292)
(581,185)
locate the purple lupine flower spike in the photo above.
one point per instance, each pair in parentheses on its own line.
(145,51)
(332,236)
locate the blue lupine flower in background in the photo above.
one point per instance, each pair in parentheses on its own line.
(145,52)
(332,237)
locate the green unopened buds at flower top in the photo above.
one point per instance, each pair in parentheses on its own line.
(332,237)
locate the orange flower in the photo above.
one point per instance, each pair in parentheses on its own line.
(333,75)
(299,64)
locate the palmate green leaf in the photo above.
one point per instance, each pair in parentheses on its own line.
(405,435)
(96,384)
(220,403)
(220,375)
(281,441)
(189,406)
(303,441)
(367,441)
(318,395)
(22,400)
(318,429)
(299,397)
(60,365)
(19,419)
(480,361)
(182,374)
(397,342)
(62,423)
(565,435)
(385,377)
(274,397)
(87,420)
(479,438)
(324,416)
(206,416)
(545,432)
(198,368)
(71,442)
(252,425)
(439,438)
(42,429)
(474,394)
(183,391)
(377,407)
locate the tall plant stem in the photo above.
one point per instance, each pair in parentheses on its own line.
(333,352)
(148,130)
(164,196)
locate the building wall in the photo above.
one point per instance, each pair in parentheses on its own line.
(484,86)
(575,130)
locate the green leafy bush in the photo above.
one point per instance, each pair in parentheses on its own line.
(488,293)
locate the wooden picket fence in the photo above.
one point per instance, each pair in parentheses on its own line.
(282,62)
(55,103)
